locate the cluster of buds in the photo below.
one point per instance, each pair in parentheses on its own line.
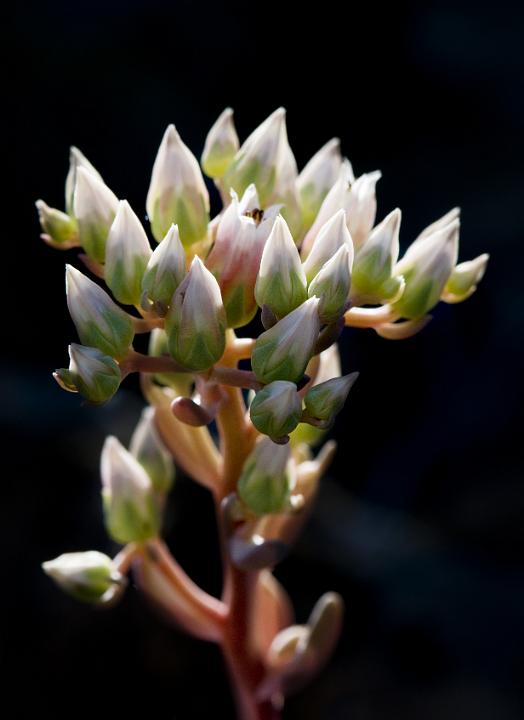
(298,255)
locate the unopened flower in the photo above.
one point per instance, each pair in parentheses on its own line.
(276,409)
(326,400)
(165,271)
(59,229)
(127,492)
(331,284)
(91,373)
(95,207)
(317,178)
(76,159)
(177,193)
(464,279)
(196,321)
(87,576)
(98,320)
(127,254)
(332,235)
(361,207)
(221,145)
(147,447)
(283,351)
(266,479)
(281,282)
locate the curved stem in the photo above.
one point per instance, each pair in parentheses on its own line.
(370,317)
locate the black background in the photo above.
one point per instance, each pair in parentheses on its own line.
(420,522)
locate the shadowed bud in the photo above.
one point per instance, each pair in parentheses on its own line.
(127,493)
(76,159)
(276,409)
(127,254)
(196,321)
(91,373)
(372,280)
(59,230)
(221,145)
(165,271)
(331,284)
(95,207)
(426,269)
(259,157)
(86,576)
(361,207)
(281,282)
(98,320)
(147,447)
(464,279)
(317,178)
(283,351)
(332,235)
(326,400)
(266,479)
(177,193)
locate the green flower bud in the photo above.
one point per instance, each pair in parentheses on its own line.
(147,447)
(165,271)
(331,285)
(177,193)
(464,279)
(276,409)
(281,282)
(266,479)
(76,159)
(317,178)
(127,493)
(326,400)
(196,321)
(372,280)
(98,320)
(221,145)
(59,230)
(332,236)
(86,576)
(95,207)
(91,373)
(127,254)
(283,351)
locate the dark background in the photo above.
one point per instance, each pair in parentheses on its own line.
(420,522)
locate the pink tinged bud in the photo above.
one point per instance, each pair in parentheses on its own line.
(95,207)
(221,145)
(464,279)
(426,268)
(98,320)
(127,254)
(91,373)
(326,400)
(127,493)
(332,235)
(331,284)
(177,193)
(76,159)
(439,224)
(286,191)
(59,230)
(276,409)
(86,576)
(267,479)
(164,272)
(373,281)
(147,447)
(283,351)
(317,178)
(361,207)
(196,320)
(281,282)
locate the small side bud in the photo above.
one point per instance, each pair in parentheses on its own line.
(177,193)
(86,576)
(147,447)
(317,178)
(281,281)
(59,230)
(266,481)
(276,409)
(464,279)
(196,321)
(95,207)
(283,351)
(326,400)
(127,493)
(127,254)
(331,236)
(91,373)
(331,284)
(98,320)
(221,145)
(165,271)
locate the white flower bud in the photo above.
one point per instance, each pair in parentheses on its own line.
(95,207)
(165,271)
(196,321)
(266,480)
(439,224)
(76,159)
(91,373)
(332,235)
(325,400)
(147,447)
(281,282)
(283,351)
(221,145)
(276,409)
(127,492)
(361,207)
(464,279)
(86,576)
(98,320)
(127,254)
(331,284)
(317,178)
(59,230)
(177,193)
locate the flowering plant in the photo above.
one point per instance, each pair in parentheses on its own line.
(304,250)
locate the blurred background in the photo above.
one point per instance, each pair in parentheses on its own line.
(420,523)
